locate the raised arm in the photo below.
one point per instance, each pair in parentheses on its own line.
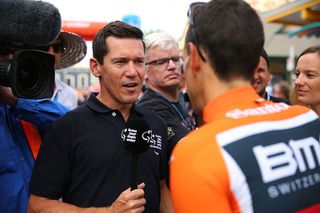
(40,112)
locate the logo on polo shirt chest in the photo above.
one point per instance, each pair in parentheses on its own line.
(155,141)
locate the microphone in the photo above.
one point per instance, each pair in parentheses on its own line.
(28,22)
(135,138)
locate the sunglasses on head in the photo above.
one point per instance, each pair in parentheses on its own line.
(194,9)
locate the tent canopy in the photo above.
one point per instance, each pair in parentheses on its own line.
(299,12)
(308,30)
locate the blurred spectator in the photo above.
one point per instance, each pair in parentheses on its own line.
(261,78)
(281,90)
(184,99)
(307,83)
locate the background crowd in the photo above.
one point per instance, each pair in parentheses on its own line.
(222,138)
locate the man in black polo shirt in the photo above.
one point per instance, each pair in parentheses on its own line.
(82,159)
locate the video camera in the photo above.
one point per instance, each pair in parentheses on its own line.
(24,26)
(30,73)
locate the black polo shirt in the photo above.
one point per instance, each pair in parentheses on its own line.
(176,118)
(83,161)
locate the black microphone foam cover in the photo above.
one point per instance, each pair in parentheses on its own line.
(28,22)
(136,135)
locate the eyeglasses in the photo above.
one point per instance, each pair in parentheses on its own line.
(165,61)
(193,11)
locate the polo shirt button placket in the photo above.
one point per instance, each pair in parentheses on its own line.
(114,114)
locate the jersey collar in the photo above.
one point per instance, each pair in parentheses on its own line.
(238,97)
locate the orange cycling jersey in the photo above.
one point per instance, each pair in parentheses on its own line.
(251,155)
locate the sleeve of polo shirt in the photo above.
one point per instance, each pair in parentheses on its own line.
(51,172)
(164,146)
(39,112)
(175,130)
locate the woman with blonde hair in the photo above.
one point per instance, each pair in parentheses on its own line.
(307,82)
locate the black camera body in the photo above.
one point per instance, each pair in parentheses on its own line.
(24,26)
(30,73)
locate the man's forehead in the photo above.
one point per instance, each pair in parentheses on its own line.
(164,48)
(158,51)
(123,42)
(121,46)
(133,57)
(116,40)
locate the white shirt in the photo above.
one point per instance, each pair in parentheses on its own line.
(65,95)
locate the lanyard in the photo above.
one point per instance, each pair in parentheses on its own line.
(178,111)
(185,119)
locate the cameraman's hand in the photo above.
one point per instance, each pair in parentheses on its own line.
(7,97)
(130,201)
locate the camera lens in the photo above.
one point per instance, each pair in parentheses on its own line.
(30,73)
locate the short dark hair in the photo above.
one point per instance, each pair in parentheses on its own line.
(313,49)
(116,29)
(266,57)
(231,34)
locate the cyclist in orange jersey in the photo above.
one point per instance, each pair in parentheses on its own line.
(251,155)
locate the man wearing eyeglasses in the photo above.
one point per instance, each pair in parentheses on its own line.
(163,79)
(251,155)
